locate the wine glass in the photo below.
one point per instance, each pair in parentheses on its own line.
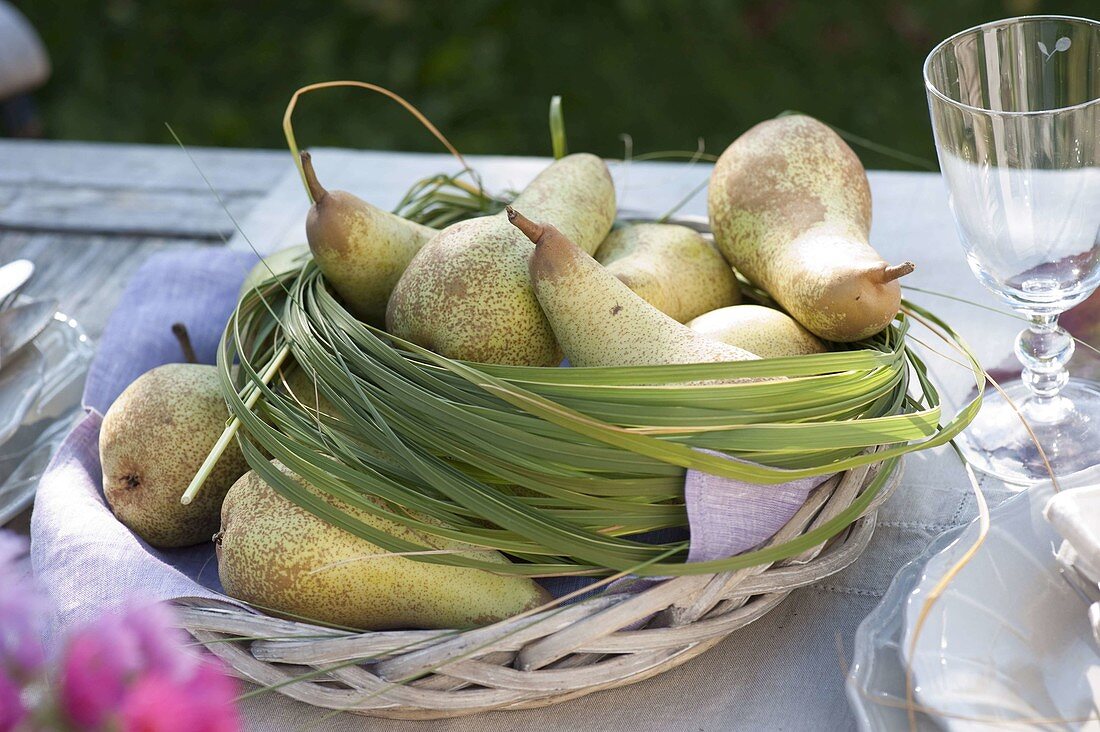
(1015,108)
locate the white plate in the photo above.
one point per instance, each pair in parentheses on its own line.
(876,680)
(1009,640)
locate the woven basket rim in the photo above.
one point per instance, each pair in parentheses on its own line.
(602,642)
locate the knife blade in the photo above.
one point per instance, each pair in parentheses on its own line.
(13,276)
(20,325)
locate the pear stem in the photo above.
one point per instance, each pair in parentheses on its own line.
(898,270)
(316,190)
(179,330)
(231,429)
(529,228)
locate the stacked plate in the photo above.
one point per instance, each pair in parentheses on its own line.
(1007,645)
(44,357)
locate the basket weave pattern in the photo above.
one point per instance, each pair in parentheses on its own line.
(532,660)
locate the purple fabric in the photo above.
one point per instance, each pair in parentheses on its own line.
(728,517)
(89,562)
(194,286)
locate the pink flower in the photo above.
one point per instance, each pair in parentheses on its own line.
(134,670)
(203,703)
(162,645)
(100,662)
(129,671)
(12,710)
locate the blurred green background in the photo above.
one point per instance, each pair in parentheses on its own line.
(665,72)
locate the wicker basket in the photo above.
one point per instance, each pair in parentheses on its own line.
(535,660)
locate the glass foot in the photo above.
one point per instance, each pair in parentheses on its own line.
(1067,426)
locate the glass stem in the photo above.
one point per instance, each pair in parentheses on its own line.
(1044,349)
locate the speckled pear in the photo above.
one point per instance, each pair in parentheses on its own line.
(671,267)
(764,331)
(278,556)
(467,294)
(361,250)
(153,440)
(598,320)
(790,208)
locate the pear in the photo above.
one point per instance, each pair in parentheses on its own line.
(278,556)
(467,294)
(671,267)
(597,319)
(153,440)
(790,208)
(764,331)
(274,265)
(361,250)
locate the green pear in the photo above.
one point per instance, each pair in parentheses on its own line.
(764,331)
(597,319)
(153,440)
(790,208)
(274,265)
(276,555)
(467,294)
(671,267)
(361,250)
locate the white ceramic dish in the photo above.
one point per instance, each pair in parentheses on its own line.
(876,680)
(1009,642)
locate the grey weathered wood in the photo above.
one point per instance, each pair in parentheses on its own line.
(86,273)
(141,190)
(182,214)
(139,167)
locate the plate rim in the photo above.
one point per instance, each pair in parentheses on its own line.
(889,611)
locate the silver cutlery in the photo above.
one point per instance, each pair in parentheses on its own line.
(13,277)
(21,324)
(20,385)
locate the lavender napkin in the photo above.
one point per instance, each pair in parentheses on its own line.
(89,562)
(194,286)
(728,517)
